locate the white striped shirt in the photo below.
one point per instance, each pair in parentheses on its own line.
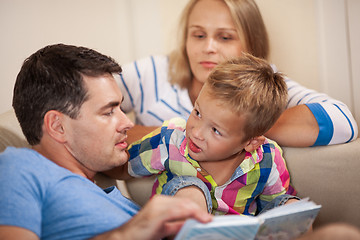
(149,94)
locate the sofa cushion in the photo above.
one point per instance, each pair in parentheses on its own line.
(330,176)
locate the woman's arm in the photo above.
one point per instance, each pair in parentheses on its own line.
(296,127)
(313,119)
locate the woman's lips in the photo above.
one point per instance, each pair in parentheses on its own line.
(193,147)
(206,64)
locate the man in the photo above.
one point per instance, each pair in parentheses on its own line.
(68,106)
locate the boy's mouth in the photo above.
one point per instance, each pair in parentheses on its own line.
(193,147)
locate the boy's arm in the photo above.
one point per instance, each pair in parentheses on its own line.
(138,132)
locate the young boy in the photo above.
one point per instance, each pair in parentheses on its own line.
(221,143)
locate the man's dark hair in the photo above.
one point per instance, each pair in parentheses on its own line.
(52,79)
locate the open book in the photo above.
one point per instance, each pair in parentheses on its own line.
(285,222)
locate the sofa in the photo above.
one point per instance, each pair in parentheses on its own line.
(328,175)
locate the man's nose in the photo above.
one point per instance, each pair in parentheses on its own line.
(124,123)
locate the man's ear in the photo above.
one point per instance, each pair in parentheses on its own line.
(53,124)
(254,143)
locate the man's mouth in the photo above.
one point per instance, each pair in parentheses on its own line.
(122,144)
(193,147)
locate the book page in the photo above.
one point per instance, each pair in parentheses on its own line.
(285,222)
(288,221)
(222,227)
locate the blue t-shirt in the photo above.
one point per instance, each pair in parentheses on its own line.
(55,203)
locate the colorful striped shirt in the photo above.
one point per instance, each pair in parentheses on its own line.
(260,178)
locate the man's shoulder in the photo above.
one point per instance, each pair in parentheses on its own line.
(24,164)
(18,156)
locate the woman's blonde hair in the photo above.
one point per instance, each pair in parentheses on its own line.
(249,24)
(250,88)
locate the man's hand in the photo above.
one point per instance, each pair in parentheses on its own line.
(162,216)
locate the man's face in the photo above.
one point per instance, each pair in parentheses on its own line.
(96,138)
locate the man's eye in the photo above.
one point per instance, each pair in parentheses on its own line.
(109,113)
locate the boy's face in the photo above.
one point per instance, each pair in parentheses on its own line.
(213,131)
(96,138)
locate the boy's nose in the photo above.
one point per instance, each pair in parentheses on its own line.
(197,133)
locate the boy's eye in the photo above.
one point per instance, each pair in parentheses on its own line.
(216,131)
(197,113)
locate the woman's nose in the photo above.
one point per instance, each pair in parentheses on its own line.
(210,46)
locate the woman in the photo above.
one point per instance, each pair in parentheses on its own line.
(159,88)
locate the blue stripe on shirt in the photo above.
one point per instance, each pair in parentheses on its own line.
(127,90)
(141,88)
(172,109)
(155,116)
(351,126)
(155,79)
(326,126)
(179,102)
(314,98)
(294,95)
(303,98)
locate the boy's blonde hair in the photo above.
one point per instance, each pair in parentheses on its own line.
(249,25)
(249,86)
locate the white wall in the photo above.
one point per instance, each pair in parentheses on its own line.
(26,26)
(300,35)
(292,28)
(353,10)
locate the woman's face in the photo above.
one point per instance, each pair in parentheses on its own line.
(211,37)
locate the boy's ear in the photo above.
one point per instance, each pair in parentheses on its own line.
(254,143)
(54,126)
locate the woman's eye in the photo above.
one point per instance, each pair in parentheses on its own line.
(216,131)
(225,37)
(198,34)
